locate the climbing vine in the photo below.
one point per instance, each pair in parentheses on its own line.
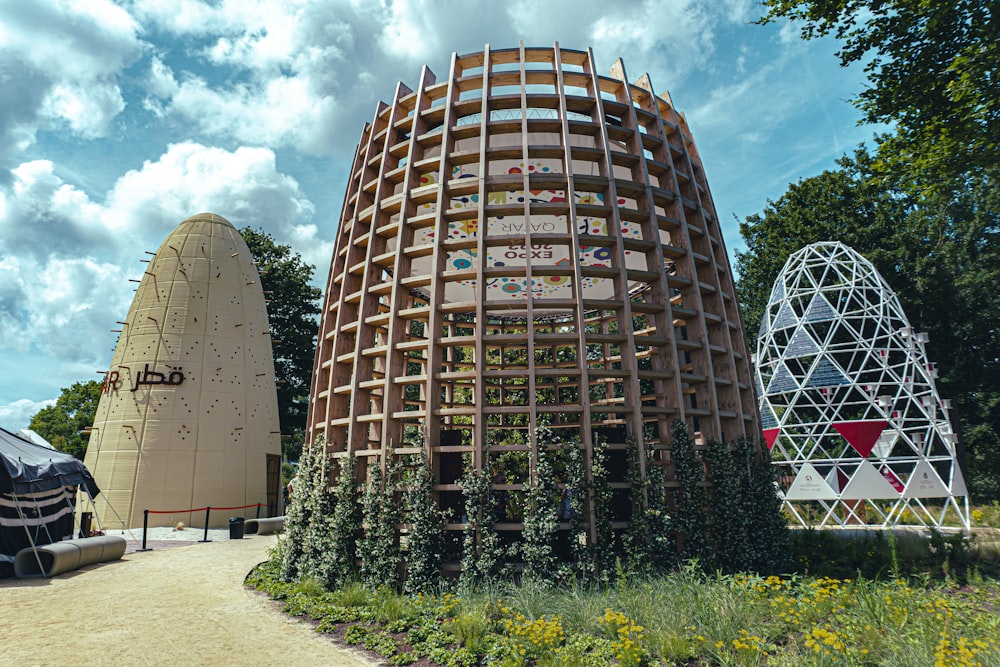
(425,539)
(730,540)
(768,543)
(648,544)
(602,550)
(339,559)
(298,515)
(729,521)
(378,548)
(482,553)
(541,518)
(689,520)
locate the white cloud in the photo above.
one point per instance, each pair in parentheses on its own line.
(268,73)
(62,59)
(66,260)
(161,81)
(244,186)
(43,214)
(61,306)
(17,415)
(295,73)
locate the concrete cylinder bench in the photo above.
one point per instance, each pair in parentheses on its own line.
(68,555)
(274,524)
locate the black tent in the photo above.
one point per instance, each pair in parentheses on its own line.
(37,488)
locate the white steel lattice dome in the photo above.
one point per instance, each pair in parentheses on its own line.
(848,400)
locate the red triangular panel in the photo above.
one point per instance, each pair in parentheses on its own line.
(861,435)
(892,478)
(842,479)
(770,435)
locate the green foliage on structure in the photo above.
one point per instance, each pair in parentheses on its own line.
(760,509)
(649,545)
(730,539)
(378,547)
(321,523)
(425,536)
(576,507)
(732,523)
(541,517)
(482,553)
(602,550)
(298,515)
(690,520)
(345,523)
(63,423)
(319,537)
(748,532)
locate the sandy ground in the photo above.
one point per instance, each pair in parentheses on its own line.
(177,606)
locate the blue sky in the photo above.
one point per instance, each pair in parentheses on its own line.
(120,119)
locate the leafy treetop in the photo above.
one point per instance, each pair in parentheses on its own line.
(932,72)
(63,423)
(292,313)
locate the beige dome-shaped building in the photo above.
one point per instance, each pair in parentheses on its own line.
(188,416)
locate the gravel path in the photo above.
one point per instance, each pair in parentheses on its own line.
(178,606)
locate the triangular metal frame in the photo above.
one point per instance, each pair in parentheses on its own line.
(868,365)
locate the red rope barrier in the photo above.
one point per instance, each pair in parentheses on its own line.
(241,507)
(196,509)
(201,509)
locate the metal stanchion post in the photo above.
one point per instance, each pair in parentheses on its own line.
(145,527)
(207,511)
(258,510)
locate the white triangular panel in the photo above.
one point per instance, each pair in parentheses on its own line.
(958,481)
(810,485)
(925,483)
(867,482)
(831,479)
(883,447)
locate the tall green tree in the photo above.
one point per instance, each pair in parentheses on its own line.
(932,68)
(62,424)
(848,204)
(292,312)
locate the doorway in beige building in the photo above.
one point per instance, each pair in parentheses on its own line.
(273,482)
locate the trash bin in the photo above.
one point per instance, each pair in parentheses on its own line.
(86,521)
(236,528)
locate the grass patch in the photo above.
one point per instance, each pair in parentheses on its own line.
(686,618)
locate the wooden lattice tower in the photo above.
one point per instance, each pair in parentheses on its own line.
(441,332)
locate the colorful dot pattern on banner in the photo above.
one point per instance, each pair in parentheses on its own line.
(541,254)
